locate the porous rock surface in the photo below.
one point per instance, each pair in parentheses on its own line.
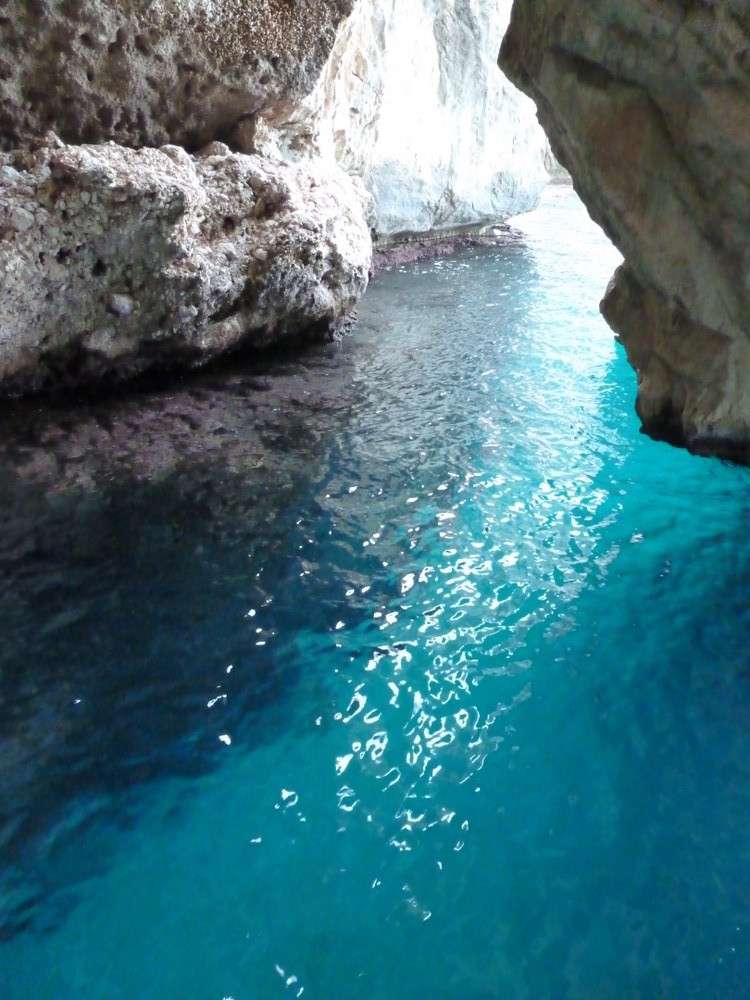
(412,101)
(114,261)
(149,72)
(120,251)
(648,106)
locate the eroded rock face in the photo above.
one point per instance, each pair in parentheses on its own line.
(648,106)
(116,258)
(411,100)
(114,261)
(148,72)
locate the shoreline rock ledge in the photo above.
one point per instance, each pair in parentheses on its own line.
(648,107)
(117,261)
(181,178)
(139,229)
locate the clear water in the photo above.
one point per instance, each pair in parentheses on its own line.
(454,704)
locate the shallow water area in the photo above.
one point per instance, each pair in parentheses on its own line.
(412,668)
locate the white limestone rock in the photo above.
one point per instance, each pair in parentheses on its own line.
(113,261)
(411,100)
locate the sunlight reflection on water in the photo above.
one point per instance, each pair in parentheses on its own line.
(465,715)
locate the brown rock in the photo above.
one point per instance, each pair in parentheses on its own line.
(648,106)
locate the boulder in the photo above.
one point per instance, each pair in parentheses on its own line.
(115,261)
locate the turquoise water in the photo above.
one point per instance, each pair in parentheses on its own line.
(455,704)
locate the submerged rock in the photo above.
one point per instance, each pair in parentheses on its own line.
(114,261)
(647,106)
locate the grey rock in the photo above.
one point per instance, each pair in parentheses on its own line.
(441,139)
(136,259)
(147,72)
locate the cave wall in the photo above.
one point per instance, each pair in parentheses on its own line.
(648,106)
(149,72)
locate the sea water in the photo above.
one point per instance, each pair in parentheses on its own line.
(455,704)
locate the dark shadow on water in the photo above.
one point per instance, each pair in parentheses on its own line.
(157,563)
(141,622)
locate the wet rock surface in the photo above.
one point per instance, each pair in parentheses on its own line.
(647,106)
(386,256)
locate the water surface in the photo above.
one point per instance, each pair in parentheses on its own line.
(439,689)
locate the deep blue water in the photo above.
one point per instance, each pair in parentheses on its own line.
(454,704)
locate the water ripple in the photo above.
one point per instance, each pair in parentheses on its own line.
(448,696)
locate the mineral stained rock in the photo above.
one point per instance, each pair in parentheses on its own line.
(648,106)
(412,101)
(149,72)
(114,261)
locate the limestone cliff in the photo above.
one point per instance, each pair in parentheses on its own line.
(648,106)
(411,100)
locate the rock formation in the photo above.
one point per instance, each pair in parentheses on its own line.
(168,191)
(117,256)
(411,100)
(648,107)
(119,260)
(149,72)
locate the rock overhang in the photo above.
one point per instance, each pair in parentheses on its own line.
(647,106)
